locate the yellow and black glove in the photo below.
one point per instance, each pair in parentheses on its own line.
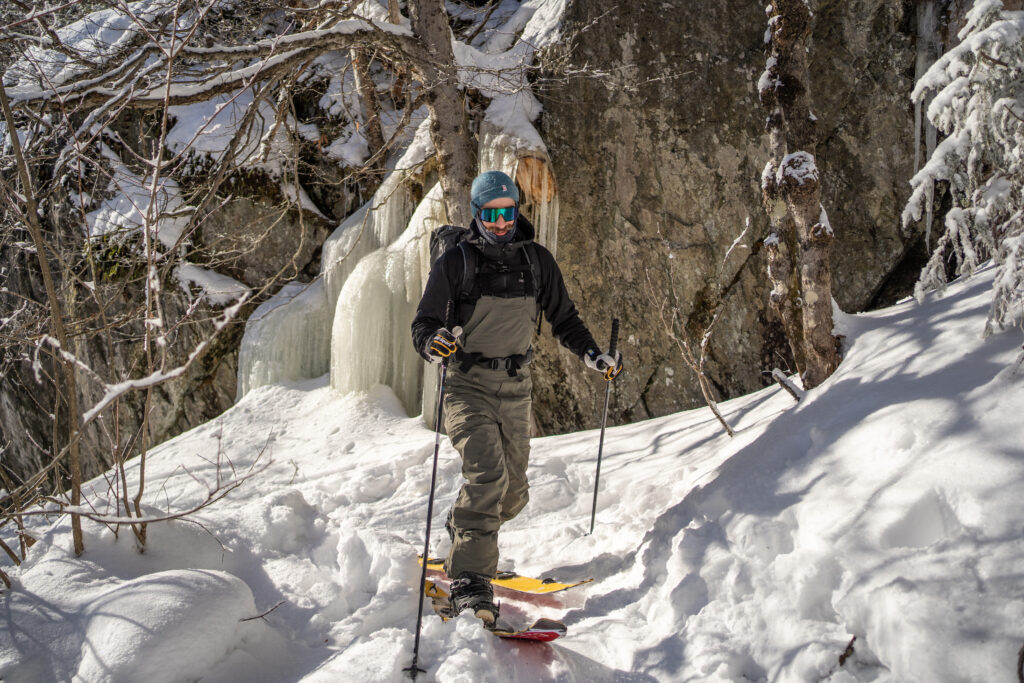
(443,344)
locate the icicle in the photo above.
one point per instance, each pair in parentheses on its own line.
(379,222)
(929,48)
(501,151)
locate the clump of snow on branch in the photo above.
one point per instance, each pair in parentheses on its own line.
(824,222)
(769,79)
(218,289)
(96,39)
(799,166)
(978,91)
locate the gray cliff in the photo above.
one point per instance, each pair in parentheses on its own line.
(659,161)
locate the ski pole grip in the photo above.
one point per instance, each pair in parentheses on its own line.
(449,314)
(615,337)
(449,318)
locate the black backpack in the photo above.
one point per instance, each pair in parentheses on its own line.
(448,237)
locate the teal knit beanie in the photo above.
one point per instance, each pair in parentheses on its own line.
(489,186)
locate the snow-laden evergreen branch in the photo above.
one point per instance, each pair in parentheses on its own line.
(979,105)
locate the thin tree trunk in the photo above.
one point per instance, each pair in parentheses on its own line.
(56,320)
(815,235)
(372,130)
(400,85)
(448,126)
(792,181)
(781,246)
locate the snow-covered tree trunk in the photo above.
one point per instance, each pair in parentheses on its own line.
(448,127)
(785,291)
(799,249)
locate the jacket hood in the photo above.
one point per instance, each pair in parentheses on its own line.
(525,233)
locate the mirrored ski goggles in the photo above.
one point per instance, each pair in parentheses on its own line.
(509,213)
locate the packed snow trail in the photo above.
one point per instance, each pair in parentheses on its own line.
(884,506)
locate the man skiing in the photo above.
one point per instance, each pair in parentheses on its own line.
(497,279)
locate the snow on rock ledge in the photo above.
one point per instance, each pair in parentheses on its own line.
(168,626)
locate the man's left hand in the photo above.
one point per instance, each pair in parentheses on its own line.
(604,363)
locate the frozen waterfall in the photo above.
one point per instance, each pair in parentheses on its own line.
(370,340)
(354,319)
(287,338)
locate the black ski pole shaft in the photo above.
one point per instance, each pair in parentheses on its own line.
(604,422)
(413,668)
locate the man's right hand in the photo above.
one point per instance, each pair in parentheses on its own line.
(443,344)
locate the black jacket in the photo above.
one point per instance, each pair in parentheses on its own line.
(446,278)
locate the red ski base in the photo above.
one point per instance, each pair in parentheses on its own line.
(542,630)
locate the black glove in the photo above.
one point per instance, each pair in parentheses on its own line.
(604,363)
(443,344)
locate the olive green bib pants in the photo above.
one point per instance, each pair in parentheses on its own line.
(487,418)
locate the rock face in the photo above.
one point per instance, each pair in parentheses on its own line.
(658,164)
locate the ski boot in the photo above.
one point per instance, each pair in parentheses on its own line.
(473,591)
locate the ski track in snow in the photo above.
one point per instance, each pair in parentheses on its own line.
(884,506)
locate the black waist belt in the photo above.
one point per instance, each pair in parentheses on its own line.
(511,364)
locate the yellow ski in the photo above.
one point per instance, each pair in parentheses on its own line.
(514,582)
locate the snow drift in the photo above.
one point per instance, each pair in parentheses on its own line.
(884,507)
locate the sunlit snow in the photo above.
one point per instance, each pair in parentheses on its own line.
(885,505)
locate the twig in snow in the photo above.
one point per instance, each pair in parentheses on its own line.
(260,616)
(10,553)
(669,315)
(848,652)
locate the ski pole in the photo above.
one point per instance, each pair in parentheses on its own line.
(604,421)
(413,669)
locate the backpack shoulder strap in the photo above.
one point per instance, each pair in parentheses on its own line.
(470,269)
(533,258)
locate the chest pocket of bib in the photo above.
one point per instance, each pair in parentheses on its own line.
(500,326)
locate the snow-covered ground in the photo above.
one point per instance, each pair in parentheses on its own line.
(886,505)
